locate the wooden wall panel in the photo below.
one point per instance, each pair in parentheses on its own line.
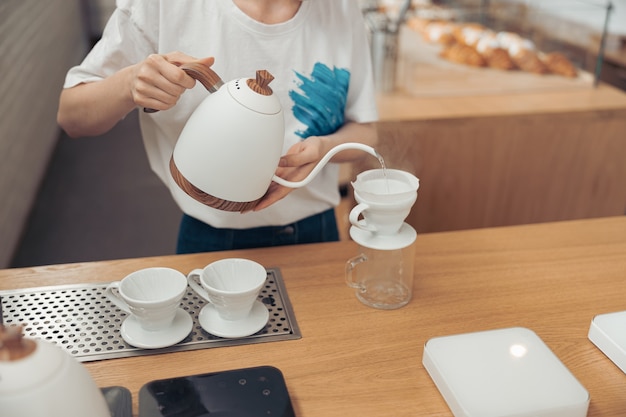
(505,170)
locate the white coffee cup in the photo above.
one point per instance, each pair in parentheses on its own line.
(384,198)
(151,295)
(232,285)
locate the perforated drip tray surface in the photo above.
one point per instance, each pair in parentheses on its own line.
(82,320)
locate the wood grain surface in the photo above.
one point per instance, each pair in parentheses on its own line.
(353,360)
(505,170)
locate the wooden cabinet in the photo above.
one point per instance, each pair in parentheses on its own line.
(507,159)
(614,73)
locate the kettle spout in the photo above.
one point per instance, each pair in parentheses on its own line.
(324,161)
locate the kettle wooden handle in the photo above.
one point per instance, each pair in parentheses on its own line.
(202,73)
(207,77)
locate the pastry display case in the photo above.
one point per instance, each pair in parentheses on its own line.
(483,141)
(449,48)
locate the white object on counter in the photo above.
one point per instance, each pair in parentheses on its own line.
(500,373)
(608,333)
(48,382)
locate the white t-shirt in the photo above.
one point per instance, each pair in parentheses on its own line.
(319,58)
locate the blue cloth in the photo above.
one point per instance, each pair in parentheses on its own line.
(195,236)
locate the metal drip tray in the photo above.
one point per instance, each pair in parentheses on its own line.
(82,320)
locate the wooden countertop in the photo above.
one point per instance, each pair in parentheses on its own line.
(402,106)
(353,360)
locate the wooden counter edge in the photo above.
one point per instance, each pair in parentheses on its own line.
(402,106)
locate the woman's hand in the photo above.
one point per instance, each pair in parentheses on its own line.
(295,165)
(303,157)
(158,82)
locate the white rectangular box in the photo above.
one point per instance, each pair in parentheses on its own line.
(500,373)
(608,333)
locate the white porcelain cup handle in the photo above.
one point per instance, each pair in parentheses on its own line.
(354,217)
(112,293)
(192,279)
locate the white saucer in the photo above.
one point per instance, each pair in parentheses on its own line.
(403,238)
(211,321)
(134,335)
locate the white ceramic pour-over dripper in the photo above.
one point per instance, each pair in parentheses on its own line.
(386,186)
(384,198)
(151,296)
(230,285)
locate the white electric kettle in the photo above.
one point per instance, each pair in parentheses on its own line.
(229,149)
(38,379)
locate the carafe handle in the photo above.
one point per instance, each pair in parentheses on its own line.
(351,265)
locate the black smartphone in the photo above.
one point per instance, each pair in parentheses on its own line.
(248,392)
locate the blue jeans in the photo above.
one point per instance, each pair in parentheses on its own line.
(195,236)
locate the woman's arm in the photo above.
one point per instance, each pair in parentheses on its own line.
(93,108)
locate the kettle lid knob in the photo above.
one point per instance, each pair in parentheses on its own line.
(260,85)
(13,346)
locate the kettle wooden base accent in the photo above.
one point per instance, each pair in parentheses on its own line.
(207,199)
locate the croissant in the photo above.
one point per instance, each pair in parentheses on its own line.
(508,40)
(439,32)
(558,63)
(469,33)
(499,59)
(475,45)
(463,54)
(528,60)
(496,56)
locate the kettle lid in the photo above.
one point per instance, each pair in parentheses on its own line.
(13,346)
(261,84)
(255,93)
